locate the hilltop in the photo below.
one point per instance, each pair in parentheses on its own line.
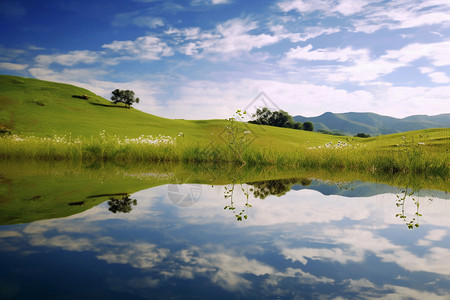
(42,108)
(33,107)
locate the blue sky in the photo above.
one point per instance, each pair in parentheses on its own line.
(202,59)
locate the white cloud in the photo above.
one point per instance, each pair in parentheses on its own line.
(437,53)
(361,68)
(70,59)
(228,39)
(344,7)
(210,2)
(400,14)
(439,77)
(138,18)
(307,34)
(340,55)
(304,6)
(70,76)
(207,99)
(143,48)
(350,7)
(372,15)
(12,66)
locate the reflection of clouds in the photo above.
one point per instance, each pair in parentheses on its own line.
(368,290)
(401,292)
(303,277)
(302,226)
(225,269)
(138,255)
(324,254)
(9,233)
(433,235)
(436,235)
(358,243)
(64,242)
(230,268)
(432,261)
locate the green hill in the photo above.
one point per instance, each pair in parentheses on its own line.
(33,107)
(35,110)
(40,108)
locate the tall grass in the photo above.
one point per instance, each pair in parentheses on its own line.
(406,158)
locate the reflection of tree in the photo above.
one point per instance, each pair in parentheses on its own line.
(122,204)
(262,189)
(401,199)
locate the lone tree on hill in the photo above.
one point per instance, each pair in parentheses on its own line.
(125,97)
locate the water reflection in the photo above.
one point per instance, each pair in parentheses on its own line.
(295,238)
(303,244)
(262,189)
(121,204)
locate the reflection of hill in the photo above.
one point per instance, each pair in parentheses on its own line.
(362,189)
(31,191)
(41,191)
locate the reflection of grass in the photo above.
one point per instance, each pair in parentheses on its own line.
(34,190)
(421,152)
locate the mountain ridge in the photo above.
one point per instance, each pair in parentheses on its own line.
(352,123)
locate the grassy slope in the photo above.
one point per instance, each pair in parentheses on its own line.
(40,108)
(43,109)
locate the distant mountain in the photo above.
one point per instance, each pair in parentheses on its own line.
(352,123)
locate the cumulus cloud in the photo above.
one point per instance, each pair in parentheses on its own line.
(143,48)
(69,59)
(228,39)
(13,66)
(358,65)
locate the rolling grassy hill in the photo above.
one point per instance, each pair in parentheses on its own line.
(374,124)
(41,108)
(31,107)
(44,109)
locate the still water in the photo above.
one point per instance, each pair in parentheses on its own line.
(275,239)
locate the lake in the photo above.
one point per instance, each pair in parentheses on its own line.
(103,232)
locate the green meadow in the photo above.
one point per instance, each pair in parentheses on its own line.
(48,121)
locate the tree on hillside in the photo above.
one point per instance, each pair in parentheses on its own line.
(262,116)
(362,135)
(308,126)
(126,97)
(275,118)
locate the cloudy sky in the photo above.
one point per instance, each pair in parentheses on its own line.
(201,59)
